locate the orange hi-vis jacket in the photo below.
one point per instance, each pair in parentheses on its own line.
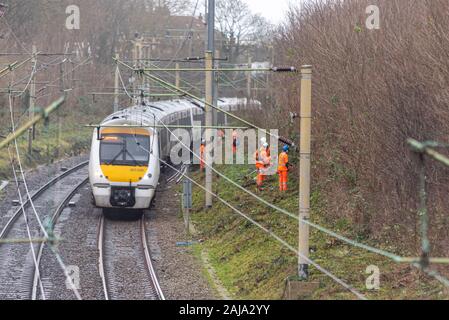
(262,158)
(283,160)
(258,152)
(202,151)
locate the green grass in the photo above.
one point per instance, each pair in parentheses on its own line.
(47,147)
(253,265)
(55,141)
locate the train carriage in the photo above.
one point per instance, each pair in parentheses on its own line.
(124,165)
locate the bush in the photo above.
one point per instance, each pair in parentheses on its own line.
(372,90)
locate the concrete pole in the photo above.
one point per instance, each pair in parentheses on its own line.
(208,124)
(73,74)
(136,64)
(32,102)
(248,81)
(178,76)
(304,170)
(144,54)
(141,56)
(59,123)
(116,85)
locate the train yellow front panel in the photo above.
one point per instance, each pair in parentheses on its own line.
(123,173)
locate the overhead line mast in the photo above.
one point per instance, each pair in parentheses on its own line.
(210,75)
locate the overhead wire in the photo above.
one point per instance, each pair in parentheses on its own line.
(29,196)
(372,249)
(123,84)
(260,226)
(33,72)
(25,217)
(392,256)
(15,36)
(26,77)
(387,254)
(173,77)
(186,36)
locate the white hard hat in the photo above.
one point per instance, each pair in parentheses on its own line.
(263,140)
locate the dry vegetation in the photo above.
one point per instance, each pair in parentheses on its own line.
(373,89)
(105,28)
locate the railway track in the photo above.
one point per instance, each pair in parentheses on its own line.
(123,263)
(54,220)
(17,267)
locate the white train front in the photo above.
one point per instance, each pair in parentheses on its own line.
(124,165)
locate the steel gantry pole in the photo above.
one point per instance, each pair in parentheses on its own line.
(208,132)
(116,85)
(304,170)
(248,81)
(209,99)
(32,101)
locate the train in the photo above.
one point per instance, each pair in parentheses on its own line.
(124,164)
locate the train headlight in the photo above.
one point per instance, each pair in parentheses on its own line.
(149,175)
(102,185)
(144,187)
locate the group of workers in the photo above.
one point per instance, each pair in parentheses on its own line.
(262,158)
(263,164)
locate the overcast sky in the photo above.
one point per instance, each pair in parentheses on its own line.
(273,10)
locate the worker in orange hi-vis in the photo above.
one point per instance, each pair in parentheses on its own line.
(283,168)
(262,165)
(202,151)
(234,141)
(263,140)
(220,137)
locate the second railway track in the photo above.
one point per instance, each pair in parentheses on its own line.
(125,263)
(17,267)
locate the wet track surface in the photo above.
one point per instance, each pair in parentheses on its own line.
(124,262)
(78,227)
(16,260)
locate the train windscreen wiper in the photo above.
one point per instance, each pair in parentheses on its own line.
(115,158)
(132,158)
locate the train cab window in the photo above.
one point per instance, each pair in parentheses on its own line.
(124,150)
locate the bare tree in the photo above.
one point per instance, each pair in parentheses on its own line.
(239,25)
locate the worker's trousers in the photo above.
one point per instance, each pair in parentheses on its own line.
(202,163)
(260,179)
(283,179)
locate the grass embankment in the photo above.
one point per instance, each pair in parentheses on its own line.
(63,135)
(252,265)
(49,146)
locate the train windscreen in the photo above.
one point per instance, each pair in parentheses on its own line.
(124,150)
